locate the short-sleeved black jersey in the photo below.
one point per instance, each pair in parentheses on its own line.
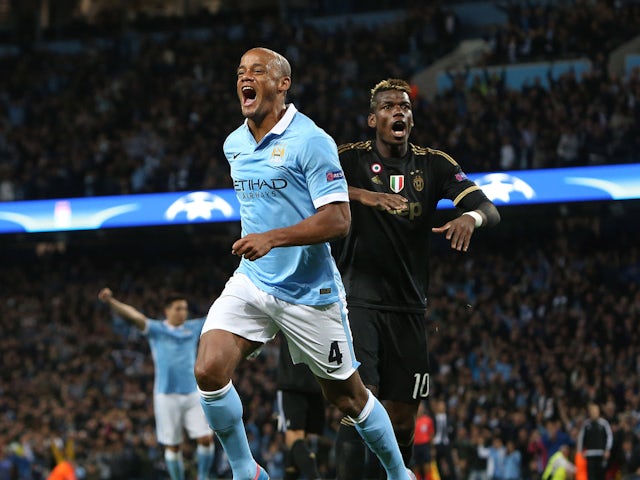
(384,261)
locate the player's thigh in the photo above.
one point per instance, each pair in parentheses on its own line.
(318,336)
(240,309)
(403,357)
(195,423)
(168,415)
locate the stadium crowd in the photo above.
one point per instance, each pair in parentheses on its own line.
(524,333)
(552,30)
(149,113)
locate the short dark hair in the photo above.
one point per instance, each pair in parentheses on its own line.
(386,85)
(174,297)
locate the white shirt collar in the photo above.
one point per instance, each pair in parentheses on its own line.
(286,119)
(284,122)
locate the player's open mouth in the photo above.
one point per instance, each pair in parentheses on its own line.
(399,129)
(248,95)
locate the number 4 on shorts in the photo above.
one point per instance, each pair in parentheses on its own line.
(334,353)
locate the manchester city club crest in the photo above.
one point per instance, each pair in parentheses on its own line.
(418,181)
(396,183)
(277,154)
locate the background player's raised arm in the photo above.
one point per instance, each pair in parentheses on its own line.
(127,312)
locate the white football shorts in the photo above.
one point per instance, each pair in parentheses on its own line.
(177,412)
(318,335)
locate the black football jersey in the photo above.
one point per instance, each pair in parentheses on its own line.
(384,261)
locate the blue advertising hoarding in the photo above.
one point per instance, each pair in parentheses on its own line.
(559,185)
(522,187)
(118,211)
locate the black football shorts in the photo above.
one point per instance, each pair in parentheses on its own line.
(300,411)
(392,350)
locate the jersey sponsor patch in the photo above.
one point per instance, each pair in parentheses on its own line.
(396,183)
(331,176)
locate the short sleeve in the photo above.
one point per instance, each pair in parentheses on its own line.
(323,172)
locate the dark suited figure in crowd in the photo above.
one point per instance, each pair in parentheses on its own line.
(594,442)
(442,441)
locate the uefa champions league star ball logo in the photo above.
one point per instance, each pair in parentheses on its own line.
(198,205)
(505,188)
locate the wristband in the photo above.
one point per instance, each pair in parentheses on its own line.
(476,216)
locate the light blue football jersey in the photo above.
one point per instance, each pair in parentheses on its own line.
(174,354)
(279,182)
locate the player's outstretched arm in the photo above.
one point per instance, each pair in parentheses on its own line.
(129,313)
(459,230)
(379,200)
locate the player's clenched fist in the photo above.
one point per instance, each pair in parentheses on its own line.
(105,295)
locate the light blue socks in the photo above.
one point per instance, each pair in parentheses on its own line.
(175,466)
(375,428)
(223,409)
(205,460)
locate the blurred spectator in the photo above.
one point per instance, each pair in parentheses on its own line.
(629,458)
(568,147)
(595,442)
(477,468)
(554,436)
(512,469)
(537,453)
(495,454)
(8,469)
(443,440)
(559,467)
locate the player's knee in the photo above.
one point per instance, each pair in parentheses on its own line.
(205,441)
(349,405)
(349,396)
(209,374)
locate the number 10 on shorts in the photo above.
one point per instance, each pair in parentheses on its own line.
(421,386)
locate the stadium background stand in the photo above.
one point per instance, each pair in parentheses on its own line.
(147,112)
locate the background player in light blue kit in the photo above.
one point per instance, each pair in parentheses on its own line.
(293,200)
(173,344)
